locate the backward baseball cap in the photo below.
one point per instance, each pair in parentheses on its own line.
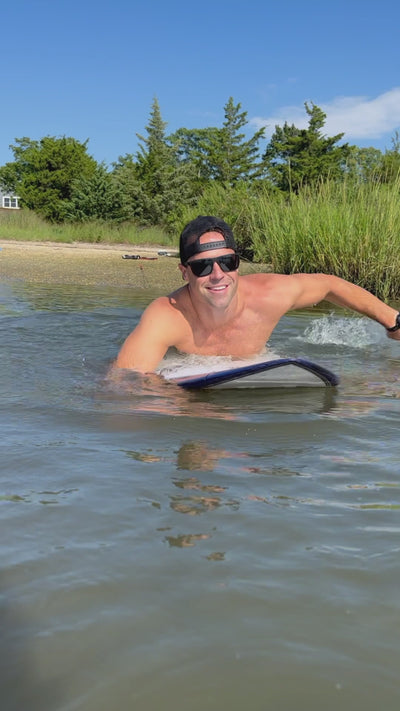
(189,242)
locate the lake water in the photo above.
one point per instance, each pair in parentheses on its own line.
(182,551)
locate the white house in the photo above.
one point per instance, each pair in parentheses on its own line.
(8,201)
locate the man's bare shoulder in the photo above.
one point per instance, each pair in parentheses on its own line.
(170,303)
(260,277)
(270,291)
(170,300)
(290,291)
(271,279)
(262,283)
(161,326)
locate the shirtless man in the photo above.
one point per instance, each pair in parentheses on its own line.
(221,313)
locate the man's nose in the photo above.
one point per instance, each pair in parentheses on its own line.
(217,272)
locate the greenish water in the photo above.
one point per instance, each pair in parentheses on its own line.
(176,550)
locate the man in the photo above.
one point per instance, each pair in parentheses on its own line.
(221,313)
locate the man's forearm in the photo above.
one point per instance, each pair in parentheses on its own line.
(351,296)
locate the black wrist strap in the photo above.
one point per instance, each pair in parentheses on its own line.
(396,327)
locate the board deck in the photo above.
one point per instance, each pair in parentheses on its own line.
(279,373)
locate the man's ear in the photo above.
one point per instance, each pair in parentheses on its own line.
(183,271)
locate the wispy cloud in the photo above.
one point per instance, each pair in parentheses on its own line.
(359,117)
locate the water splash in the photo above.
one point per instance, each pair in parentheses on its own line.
(353,332)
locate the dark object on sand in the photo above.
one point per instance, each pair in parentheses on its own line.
(137,256)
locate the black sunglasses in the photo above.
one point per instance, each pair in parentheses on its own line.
(203,267)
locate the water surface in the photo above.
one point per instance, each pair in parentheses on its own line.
(176,550)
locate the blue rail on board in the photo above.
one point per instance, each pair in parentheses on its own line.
(223,376)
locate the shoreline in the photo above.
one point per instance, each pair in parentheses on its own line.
(85,264)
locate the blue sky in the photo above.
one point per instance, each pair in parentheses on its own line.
(91,69)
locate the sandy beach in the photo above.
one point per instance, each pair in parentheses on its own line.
(93,264)
(89,264)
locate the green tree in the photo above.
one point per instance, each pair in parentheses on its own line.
(157,182)
(125,178)
(193,147)
(391,161)
(43,173)
(222,154)
(97,197)
(364,164)
(233,157)
(297,157)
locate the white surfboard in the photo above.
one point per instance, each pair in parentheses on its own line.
(279,373)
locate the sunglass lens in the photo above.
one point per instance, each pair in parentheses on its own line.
(201,267)
(204,267)
(228,263)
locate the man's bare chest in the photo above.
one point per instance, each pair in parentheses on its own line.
(243,336)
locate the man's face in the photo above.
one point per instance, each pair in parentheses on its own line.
(219,287)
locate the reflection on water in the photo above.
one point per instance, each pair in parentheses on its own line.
(46,297)
(198,455)
(203,550)
(152,394)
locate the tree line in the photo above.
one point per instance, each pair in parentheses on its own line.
(170,175)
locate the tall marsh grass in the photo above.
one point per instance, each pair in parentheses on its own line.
(351,230)
(24,225)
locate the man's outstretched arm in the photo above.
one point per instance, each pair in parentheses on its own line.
(310,289)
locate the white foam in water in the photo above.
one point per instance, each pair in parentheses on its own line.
(354,332)
(181,365)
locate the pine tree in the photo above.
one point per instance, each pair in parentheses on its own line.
(193,147)
(97,197)
(221,154)
(165,183)
(297,157)
(233,157)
